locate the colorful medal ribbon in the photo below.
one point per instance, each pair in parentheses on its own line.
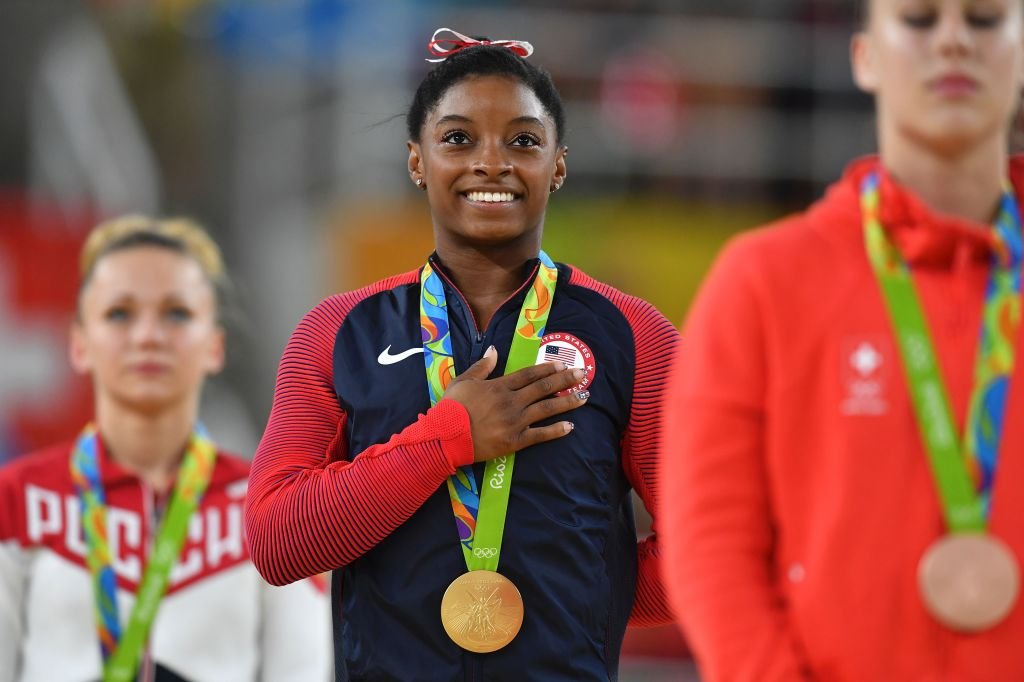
(963,473)
(122,649)
(480,516)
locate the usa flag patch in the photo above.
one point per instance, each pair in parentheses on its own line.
(553,352)
(571,350)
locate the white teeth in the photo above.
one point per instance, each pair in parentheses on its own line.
(490,197)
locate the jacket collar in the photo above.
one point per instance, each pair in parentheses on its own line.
(513,302)
(112,474)
(923,236)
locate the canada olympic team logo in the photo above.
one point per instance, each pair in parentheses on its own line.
(563,347)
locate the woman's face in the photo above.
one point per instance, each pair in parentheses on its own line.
(489,156)
(945,73)
(147,330)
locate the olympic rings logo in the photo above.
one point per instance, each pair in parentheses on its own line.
(485,552)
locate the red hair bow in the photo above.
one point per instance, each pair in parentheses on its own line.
(437,46)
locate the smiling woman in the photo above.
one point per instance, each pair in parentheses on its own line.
(431,495)
(158,505)
(488,162)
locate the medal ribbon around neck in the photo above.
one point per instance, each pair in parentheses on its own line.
(122,649)
(480,516)
(963,473)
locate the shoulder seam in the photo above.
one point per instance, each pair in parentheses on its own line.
(581,279)
(348,300)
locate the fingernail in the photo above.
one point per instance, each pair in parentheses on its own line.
(577,373)
(561,366)
(490,349)
(583,395)
(569,427)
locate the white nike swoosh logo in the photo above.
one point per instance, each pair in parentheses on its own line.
(386,358)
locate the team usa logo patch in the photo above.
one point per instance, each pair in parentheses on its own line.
(563,347)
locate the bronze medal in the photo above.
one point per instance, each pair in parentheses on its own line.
(969,581)
(482,611)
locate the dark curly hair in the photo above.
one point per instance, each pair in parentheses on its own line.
(483,60)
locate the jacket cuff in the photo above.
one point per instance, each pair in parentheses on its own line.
(448,421)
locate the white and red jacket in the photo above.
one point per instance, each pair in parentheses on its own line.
(218,622)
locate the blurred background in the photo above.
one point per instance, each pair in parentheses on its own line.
(279,124)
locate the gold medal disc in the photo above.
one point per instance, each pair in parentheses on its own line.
(482,611)
(969,581)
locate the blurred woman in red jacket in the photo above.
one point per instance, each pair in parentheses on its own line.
(846,431)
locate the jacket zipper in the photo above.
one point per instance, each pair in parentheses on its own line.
(479,337)
(471,662)
(147,665)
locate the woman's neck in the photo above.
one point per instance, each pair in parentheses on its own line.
(485,279)
(966,185)
(148,445)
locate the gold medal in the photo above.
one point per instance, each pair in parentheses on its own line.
(969,581)
(482,611)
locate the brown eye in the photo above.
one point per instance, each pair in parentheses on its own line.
(984,19)
(455,137)
(920,20)
(525,140)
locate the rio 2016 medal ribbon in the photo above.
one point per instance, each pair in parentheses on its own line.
(481,610)
(969,580)
(122,649)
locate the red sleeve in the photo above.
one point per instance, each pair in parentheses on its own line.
(11,505)
(716,514)
(655,340)
(309,509)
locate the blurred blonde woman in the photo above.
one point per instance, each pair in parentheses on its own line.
(122,553)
